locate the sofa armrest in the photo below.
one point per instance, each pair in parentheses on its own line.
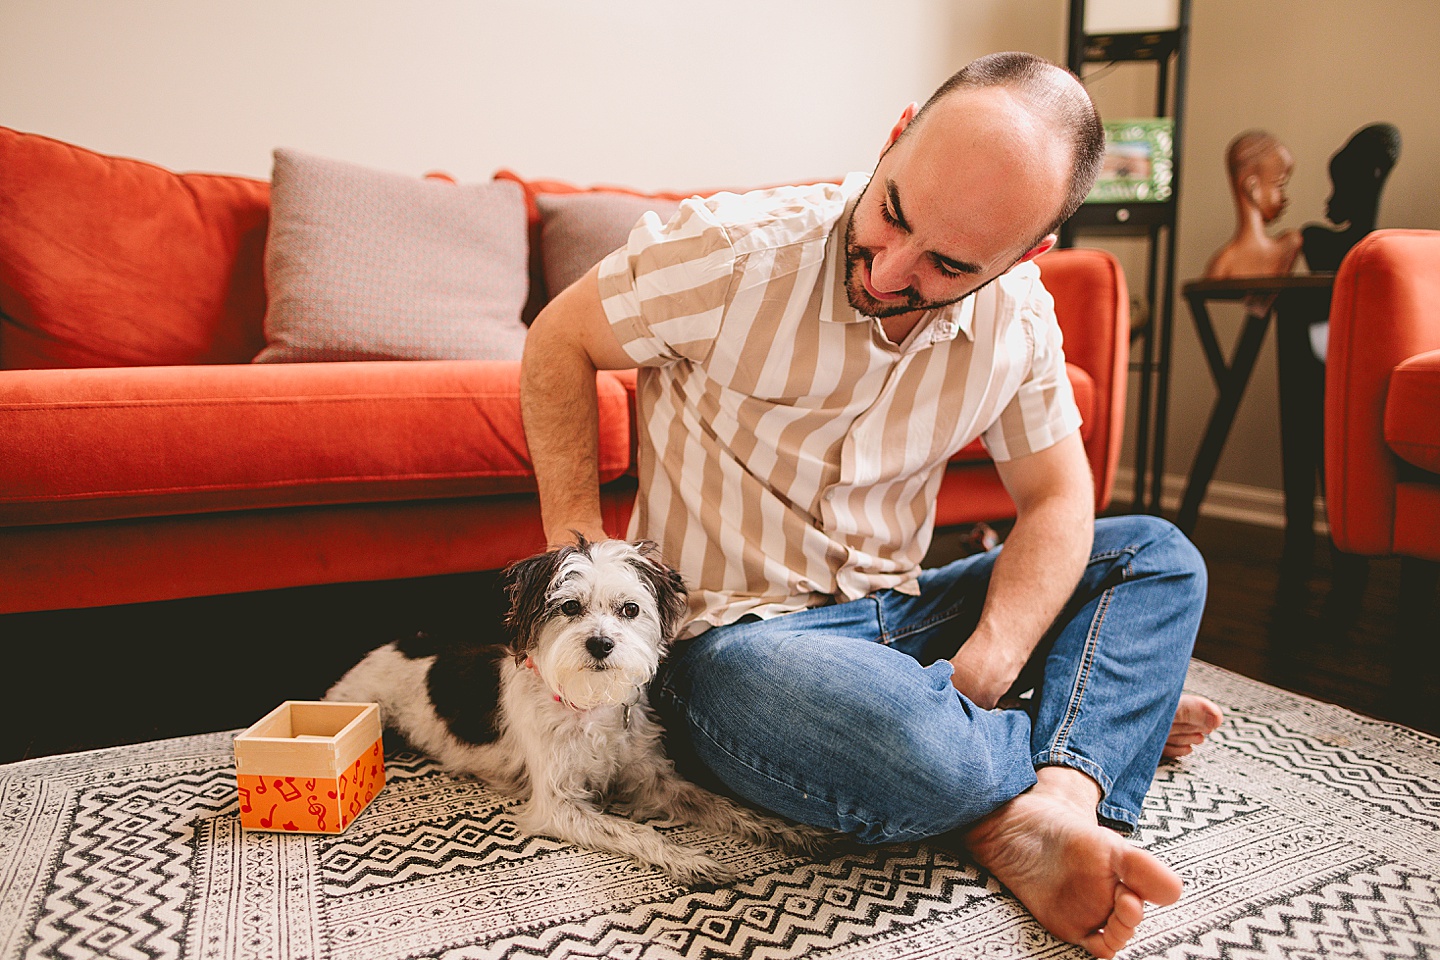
(1092,305)
(1385,309)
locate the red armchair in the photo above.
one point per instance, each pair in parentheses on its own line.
(1382,397)
(1382,416)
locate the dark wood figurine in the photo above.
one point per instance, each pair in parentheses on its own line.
(1357,172)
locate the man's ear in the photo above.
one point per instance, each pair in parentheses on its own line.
(900,126)
(1039,248)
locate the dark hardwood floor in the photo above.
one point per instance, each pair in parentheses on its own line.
(78,679)
(1323,624)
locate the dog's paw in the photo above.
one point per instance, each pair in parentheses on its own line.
(799,838)
(692,869)
(788,837)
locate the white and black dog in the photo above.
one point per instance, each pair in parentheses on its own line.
(559,717)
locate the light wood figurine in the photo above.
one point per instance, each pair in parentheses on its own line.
(1259,168)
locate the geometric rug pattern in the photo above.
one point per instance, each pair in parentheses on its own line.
(1301,830)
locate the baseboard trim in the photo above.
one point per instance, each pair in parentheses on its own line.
(1239,502)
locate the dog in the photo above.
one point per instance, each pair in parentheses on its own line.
(559,716)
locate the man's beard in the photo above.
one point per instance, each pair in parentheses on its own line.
(861,299)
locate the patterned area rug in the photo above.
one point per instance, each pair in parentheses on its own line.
(1301,830)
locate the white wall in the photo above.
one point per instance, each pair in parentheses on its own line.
(650,93)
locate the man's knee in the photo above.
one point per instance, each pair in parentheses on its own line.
(1156,547)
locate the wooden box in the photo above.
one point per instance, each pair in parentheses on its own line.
(309,766)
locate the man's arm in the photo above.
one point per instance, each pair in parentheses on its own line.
(567,343)
(1036,572)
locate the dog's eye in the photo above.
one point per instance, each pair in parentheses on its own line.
(571,608)
(630,610)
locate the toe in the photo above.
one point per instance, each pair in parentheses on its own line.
(1116,935)
(1098,945)
(1203,713)
(1129,908)
(1120,927)
(1146,876)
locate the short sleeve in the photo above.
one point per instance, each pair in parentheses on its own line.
(665,291)
(1043,410)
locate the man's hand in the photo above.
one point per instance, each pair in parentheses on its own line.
(984,670)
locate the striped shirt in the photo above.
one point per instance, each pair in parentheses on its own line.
(789,453)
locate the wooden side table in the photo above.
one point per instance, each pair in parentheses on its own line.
(1295,302)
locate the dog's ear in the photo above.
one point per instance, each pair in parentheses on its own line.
(671,597)
(527,585)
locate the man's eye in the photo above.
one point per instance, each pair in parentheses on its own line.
(947,270)
(571,608)
(886,215)
(630,610)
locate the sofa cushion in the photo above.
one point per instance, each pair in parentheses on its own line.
(1412,411)
(155,441)
(112,262)
(578,230)
(534,190)
(368,265)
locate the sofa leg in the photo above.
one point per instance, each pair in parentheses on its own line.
(1418,626)
(1418,579)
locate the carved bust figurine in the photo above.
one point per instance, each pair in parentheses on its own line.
(1357,172)
(1259,168)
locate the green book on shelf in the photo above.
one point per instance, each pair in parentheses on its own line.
(1139,162)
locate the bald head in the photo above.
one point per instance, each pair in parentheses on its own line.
(1259,166)
(1247,151)
(1052,99)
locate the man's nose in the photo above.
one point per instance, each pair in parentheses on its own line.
(892,270)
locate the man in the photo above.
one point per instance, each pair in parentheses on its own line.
(810,358)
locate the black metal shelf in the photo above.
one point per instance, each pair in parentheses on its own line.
(1167,49)
(1127,47)
(1124,217)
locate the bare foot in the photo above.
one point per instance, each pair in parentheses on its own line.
(1195,719)
(1083,882)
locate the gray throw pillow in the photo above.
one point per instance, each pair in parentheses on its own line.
(578,230)
(363,264)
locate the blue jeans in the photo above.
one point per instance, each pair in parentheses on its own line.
(844,716)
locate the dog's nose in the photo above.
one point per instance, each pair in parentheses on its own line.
(599,647)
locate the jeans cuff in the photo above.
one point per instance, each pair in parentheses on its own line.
(1115,817)
(1119,819)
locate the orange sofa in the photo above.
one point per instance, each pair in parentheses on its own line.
(1382,397)
(144,457)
